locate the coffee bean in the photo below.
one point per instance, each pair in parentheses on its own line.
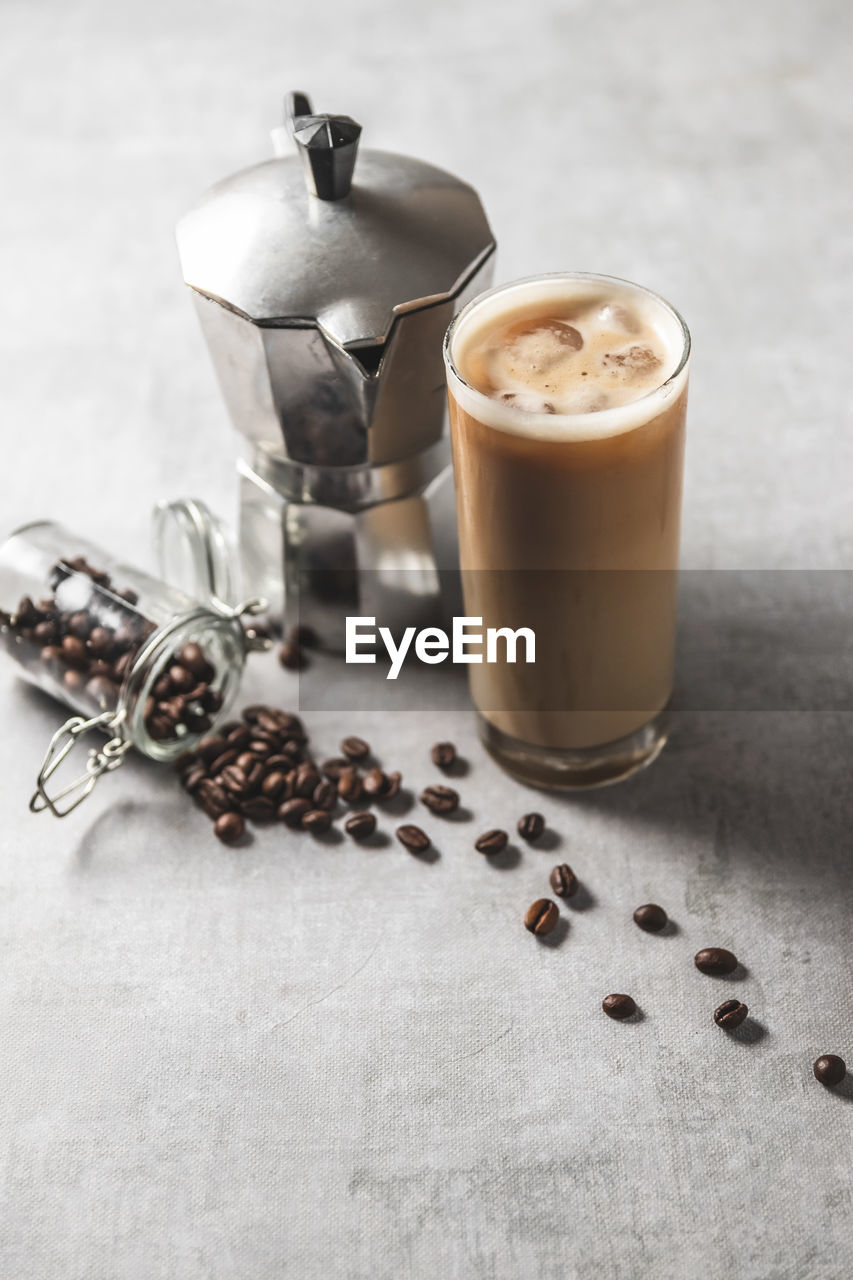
(325,795)
(193,778)
(306,780)
(279,762)
(123,665)
(829,1069)
(73,680)
(239,737)
(289,725)
(159,727)
(251,713)
(174,709)
(266,722)
(290,813)
(291,657)
(196,723)
(46,632)
(374,783)
(350,786)
(181,678)
(229,827)
(354,748)
(213,799)
(715,961)
(440,799)
(208,749)
(162,686)
(246,761)
(334,767)
(258,808)
(393,782)
(80,624)
(563,881)
(541,916)
(531,826)
(273,784)
(443,755)
(73,651)
(730,1014)
(316,821)
(412,838)
(233,779)
(100,641)
(492,842)
(192,657)
(26,614)
(260,749)
(651,917)
(212,700)
(229,756)
(102,692)
(50,654)
(186,760)
(254,777)
(360,826)
(619,1006)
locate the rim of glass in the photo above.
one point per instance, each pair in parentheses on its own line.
(551,419)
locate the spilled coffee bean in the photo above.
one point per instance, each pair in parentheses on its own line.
(440,799)
(563,881)
(360,826)
(491,842)
(374,783)
(829,1069)
(413,838)
(541,916)
(229,828)
(443,755)
(354,748)
(350,786)
(619,1006)
(531,827)
(651,917)
(293,811)
(316,821)
(715,961)
(730,1014)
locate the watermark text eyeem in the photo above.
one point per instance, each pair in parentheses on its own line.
(467,642)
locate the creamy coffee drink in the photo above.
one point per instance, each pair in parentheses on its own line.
(567,404)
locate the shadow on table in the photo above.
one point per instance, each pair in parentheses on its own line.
(762,737)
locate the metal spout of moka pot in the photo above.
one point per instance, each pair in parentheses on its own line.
(324,280)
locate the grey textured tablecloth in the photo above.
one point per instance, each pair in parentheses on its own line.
(321,1061)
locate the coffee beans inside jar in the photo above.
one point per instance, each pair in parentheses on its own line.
(82,638)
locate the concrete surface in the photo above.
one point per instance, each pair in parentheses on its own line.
(331,1062)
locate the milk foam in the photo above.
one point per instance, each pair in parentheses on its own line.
(577,357)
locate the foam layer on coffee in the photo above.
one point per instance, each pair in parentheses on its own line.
(567,358)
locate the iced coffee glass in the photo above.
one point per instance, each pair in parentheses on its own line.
(567,408)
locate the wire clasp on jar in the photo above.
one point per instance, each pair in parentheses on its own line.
(100,760)
(108,757)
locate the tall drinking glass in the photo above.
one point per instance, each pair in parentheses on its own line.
(567,408)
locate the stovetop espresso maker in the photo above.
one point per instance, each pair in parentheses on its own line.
(324,281)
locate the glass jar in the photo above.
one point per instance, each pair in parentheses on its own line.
(147,662)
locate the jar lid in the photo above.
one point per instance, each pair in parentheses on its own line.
(316,239)
(194,552)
